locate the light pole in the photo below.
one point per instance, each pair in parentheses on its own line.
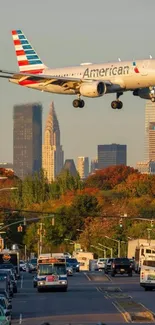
(8,189)
(119,244)
(111,249)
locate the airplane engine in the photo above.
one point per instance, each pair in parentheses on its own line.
(93,89)
(146,93)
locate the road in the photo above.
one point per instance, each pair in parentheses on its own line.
(90,299)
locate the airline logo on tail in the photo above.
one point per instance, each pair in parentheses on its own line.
(28,60)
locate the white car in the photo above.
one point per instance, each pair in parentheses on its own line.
(69,269)
(101,262)
(147,274)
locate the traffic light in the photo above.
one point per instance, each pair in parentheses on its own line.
(20,228)
(120,222)
(152,223)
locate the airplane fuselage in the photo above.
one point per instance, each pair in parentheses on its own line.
(124,75)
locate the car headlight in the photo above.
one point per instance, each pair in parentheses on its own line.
(41,283)
(77,265)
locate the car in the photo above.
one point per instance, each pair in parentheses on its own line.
(4,317)
(11,278)
(32,265)
(74,263)
(69,269)
(22,265)
(101,262)
(9,266)
(35,280)
(108,265)
(121,266)
(7,307)
(5,293)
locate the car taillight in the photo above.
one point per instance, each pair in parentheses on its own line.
(142,275)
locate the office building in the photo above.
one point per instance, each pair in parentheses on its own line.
(83,167)
(146,167)
(27,139)
(93,165)
(149,131)
(69,166)
(111,154)
(52,153)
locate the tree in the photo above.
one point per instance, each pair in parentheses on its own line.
(108,178)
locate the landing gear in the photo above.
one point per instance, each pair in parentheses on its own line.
(78,103)
(117,104)
(153,99)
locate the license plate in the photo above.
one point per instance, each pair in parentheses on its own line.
(121,270)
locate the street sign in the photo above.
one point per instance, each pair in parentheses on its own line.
(77,247)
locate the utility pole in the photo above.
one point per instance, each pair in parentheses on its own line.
(40,241)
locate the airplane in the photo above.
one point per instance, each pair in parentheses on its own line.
(87,79)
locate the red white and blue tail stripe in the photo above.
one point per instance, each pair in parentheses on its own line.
(28,60)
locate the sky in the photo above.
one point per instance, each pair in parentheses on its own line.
(66,33)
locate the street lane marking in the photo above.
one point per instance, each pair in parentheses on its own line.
(21,283)
(109,278)
(87,276)
(121,311)
(20,319)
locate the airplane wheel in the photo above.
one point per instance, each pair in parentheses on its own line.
(152,99)
(76,103)
(81,103)
(119,105)
(114,104)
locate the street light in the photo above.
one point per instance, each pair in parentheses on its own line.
(111,249)
(119,244)
(8,188)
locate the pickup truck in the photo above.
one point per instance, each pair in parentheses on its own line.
(121,266)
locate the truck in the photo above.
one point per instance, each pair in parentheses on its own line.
(51,273)
(141,253)
(11,257)
(84,259)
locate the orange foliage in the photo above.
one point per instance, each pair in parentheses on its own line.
(108,178)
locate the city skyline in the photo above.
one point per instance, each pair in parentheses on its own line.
(108,125)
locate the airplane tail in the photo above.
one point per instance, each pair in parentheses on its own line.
(27,58)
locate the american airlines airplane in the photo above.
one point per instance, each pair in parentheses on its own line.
(88,80)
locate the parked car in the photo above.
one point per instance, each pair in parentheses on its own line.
(5,293)
(11,279)
(7,307)
(121,266)
(4,317)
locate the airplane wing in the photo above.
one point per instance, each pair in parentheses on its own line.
(67,82)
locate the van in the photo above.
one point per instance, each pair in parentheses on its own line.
(147,274)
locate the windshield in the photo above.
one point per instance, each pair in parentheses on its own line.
(33,261)
(72,260)
(48,269)
(6,266)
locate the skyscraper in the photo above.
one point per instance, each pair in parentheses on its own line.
(93,165)
(53,155)
(111,154)
(83,167)
(27,139)
(149,131)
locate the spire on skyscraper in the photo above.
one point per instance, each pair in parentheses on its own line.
(52,149)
